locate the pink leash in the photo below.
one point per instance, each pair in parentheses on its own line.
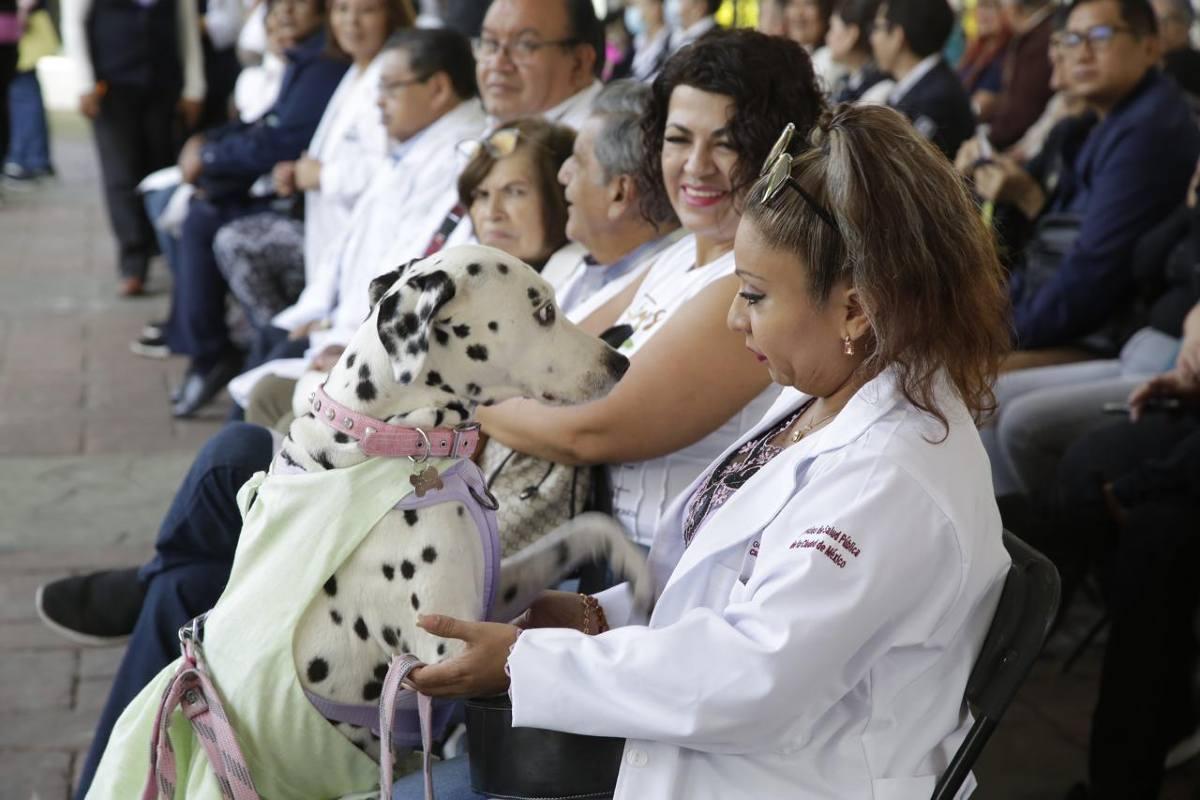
(396,682)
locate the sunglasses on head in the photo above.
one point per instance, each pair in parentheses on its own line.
(778,171)
(498,145)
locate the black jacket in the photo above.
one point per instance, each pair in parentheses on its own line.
(939,109)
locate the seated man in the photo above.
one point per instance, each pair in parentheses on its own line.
(1128,173)
(198,537)
(1025,85)
(907,40)
(1179,59)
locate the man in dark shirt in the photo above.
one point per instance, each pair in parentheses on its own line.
(907,39)
(1180,60)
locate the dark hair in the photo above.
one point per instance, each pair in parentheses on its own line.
(711,7)
(771,81)
(434,50)
(927,24)
(910,239)
(1137,14)
(400,14)
(550,145)
(860,13)
(586,28)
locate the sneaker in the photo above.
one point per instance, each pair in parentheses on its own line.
(154,329)
(150,346)
(97,610)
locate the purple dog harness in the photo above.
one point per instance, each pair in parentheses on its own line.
(403,716)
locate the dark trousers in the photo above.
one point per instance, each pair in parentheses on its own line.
(197,326)
(134,136)
(1147,567)
(270,344)
(8,71)
(193,556)
(29,143)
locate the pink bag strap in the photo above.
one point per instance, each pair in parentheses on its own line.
(395,683)
(191,689)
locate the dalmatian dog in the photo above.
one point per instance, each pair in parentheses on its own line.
(469,326)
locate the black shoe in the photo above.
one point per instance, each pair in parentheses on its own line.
(198,389)
(150,346)
(98,609)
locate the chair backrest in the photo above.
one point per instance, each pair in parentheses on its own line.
(1018,631)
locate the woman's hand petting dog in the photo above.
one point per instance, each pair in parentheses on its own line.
(478,670)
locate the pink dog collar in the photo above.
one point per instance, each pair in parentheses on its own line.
(378,438)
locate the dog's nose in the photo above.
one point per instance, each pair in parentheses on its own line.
(616,363)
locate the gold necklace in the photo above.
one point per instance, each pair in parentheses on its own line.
(801,432)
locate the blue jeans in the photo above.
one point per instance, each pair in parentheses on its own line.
(29,141)
(168,245)
(451,781)
(193,556)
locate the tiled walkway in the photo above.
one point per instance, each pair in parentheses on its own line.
(89,457)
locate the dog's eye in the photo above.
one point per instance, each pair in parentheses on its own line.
(545,315)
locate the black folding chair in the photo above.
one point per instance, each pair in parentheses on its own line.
(1017,633)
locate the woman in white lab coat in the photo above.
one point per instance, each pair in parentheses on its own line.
(823,590)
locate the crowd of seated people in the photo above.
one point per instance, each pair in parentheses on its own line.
(370,137)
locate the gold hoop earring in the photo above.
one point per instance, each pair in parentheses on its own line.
(848,345)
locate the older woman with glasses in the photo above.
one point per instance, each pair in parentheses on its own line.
(824,588)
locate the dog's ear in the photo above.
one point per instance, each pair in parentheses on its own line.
(406,318)
(382,283)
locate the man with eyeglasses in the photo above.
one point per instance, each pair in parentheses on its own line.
(1129,172)
(539,58)
(907,39)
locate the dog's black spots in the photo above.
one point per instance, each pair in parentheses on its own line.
(462,331)
(404,648)
(473,268)
(434,378)
(410,516)
(562,554)
(412,348)
(416,601)
(510,594)
(441,649)
(341,438)
(331,586)
(477,352)
(447,388)
(389,636)
(460,511)
(323,460)
(407,569)
(287,458)
(345,385)
(387,306)
(535,296)
(360,629)
(423,344)
(473,389)
(372,690)
(405,378)
(429,555)
(389,571)
(365,391)
(364,372)
(381,671)
(317,671)
(408,324)
(488,401)
(350,359)
(441,336)
(389,342)
(438,417)
(458,408)
(493,326)
(335,616)
(503,268)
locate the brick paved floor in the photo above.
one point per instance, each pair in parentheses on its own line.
(89,457)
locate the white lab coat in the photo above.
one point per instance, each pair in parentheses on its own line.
(778,664)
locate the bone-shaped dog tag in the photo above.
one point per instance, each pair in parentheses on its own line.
(427,481)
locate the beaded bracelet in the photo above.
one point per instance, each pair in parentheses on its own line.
(592,608)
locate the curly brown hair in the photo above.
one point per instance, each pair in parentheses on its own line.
(771,82)
(911,240)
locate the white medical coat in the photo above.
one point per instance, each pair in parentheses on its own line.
(815,639)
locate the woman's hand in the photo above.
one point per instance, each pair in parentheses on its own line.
(553,610)
(308,174)
(478,670)
(284,177)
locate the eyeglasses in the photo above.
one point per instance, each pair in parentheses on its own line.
(1098,38)
(521,51)
(778,170)
(390,87)
(499,145)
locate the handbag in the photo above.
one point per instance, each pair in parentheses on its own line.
(536,764)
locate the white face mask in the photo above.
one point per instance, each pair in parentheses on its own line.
(672,12)
(634,22)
